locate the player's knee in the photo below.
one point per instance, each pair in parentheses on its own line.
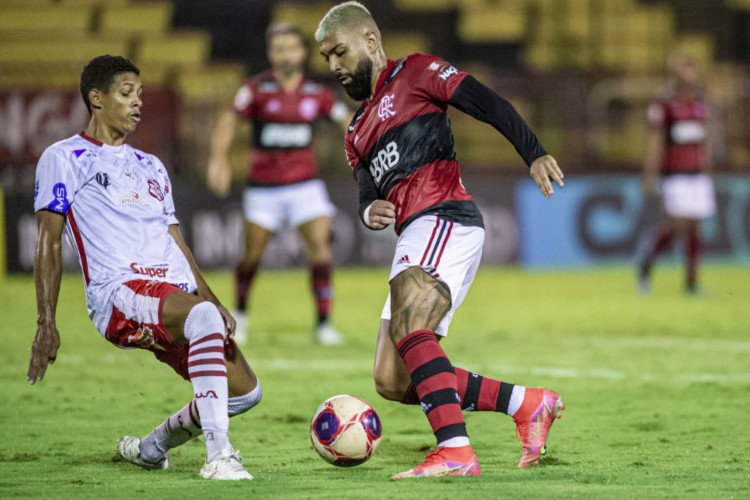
(202,320)
(388,389)
(240,404)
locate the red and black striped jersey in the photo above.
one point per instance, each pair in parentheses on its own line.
(281,151)
(403,137)
(683,122)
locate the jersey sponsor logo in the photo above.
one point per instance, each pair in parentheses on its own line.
(154,189)
(385,108)
(150,271)
(308,108)
(60,203)
(688,132)
(286,135)
(384,160)
(102,178)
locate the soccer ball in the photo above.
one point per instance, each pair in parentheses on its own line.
(345,430)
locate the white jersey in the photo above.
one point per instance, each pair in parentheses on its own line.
(118,205)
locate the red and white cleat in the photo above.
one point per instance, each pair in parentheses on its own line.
(542,407)
(446,462)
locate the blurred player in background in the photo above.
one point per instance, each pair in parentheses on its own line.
(282,103)
(143,288)
(400,147)
(676,152)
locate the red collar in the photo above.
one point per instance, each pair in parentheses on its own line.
(91,139)
(383,75)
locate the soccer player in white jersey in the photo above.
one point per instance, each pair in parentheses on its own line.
(143,288)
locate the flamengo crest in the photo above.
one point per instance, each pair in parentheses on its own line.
(385,109)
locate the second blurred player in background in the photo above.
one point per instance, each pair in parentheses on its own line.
(677,152)
(282,186)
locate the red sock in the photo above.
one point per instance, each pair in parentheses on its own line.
(435,382)
(663,241)
(477,393)
(320,278)
(693,257)
(243,278)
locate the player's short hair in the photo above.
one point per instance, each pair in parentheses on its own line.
(284,28)
(100,73)
(343,14)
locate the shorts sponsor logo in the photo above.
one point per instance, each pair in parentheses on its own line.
(150,271)
(144,337)
(60,203)
(384,160)
(385,108)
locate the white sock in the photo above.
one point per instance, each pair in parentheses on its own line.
(516,399)
(204,328)
(173,432)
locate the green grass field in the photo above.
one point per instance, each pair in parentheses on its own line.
(657,391)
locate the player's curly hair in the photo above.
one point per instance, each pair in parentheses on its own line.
(100,73)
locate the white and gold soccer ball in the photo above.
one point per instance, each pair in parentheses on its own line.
(345,430)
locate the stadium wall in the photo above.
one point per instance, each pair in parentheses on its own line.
(594,220)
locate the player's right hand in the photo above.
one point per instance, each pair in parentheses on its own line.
(43,352)
(382,214)
(219,176)
(543,170)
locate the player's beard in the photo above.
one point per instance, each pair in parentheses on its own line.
(360,87)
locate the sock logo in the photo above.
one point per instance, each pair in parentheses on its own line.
(208,436)
(426,407)
(207,394)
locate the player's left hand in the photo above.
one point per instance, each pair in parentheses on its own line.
(43,352)
(544,169)
(229,321)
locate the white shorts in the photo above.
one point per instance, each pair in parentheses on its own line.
(271,207)
(447,251)
(689,196)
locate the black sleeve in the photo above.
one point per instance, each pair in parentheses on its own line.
(368,192)
(482,103)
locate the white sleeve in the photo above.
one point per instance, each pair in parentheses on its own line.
(169,208)
(56,183)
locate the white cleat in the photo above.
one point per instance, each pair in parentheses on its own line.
(240,331)
(227,466)
(326,334)
(128,448)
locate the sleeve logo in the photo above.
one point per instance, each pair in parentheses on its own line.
(154,189)
(445,70)
(60,203)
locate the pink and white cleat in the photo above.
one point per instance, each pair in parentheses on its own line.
(446,462)
(540,409)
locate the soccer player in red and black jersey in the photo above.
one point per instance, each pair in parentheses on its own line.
(400,147)
(677,151)
(282,103)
